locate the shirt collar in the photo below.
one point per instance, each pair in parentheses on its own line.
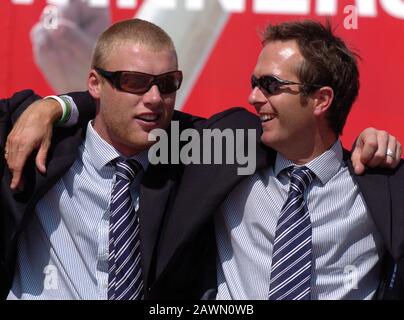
(101,153)
(325,166)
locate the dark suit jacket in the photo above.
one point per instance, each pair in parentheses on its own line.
(182,264)
(204,187)
(157,188)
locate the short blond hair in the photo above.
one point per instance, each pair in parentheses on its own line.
(134,30)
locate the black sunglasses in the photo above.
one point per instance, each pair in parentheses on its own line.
(140,83)
(272,84)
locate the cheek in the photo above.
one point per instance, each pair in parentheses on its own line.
(116,112)
(169,105)
(122,104)
(169,102)
(109,103)
(110,107)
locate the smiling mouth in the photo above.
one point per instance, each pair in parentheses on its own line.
(266,117)
(148,117)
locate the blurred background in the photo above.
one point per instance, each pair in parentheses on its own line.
(46,45)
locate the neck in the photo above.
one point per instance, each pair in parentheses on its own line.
(304,150)
(122,148)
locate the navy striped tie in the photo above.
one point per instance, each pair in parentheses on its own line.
(125,280)
(291,257)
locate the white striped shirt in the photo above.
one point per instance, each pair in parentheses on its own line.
(63,252)
(346,246)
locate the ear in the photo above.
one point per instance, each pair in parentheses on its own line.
(94,83)
(322,98)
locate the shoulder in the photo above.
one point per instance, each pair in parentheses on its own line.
(233,118)
(19,97)
(186,119)
(14,106)
(397,175)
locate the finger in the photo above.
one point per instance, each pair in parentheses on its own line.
(390,160)
(40,159)
(379,155)
(356,158)
(16,180)
(359,168)
(368,146)
(398,153)
(6,149)
(16,162)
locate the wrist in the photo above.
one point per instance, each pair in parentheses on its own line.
(50,110)
(73,117)
(61,113)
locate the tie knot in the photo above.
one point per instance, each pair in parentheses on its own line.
(127,169)
(301,178)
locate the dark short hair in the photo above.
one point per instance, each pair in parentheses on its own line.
(328,62)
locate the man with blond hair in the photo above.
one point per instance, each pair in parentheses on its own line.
(81,227)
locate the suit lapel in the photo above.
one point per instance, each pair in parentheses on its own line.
(202,190)
(396,184)
(21,204)
(61,157)
(374,187)
(156,190)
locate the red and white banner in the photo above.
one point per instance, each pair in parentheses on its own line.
(46,45)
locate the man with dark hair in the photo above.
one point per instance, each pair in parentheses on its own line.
(322,227)
(327,61)
(303,226)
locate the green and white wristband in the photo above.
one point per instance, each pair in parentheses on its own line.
(70,112)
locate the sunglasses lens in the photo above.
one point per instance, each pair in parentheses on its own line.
(140,83)
(135,82)
(169,82)
(254,82)
(268,83)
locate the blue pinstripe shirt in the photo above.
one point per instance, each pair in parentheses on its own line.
(347,248)
(63,253)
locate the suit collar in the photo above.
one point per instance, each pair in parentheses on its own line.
(325,166)
(101,153)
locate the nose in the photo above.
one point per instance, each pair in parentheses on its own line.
(153,96)
(256,97)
